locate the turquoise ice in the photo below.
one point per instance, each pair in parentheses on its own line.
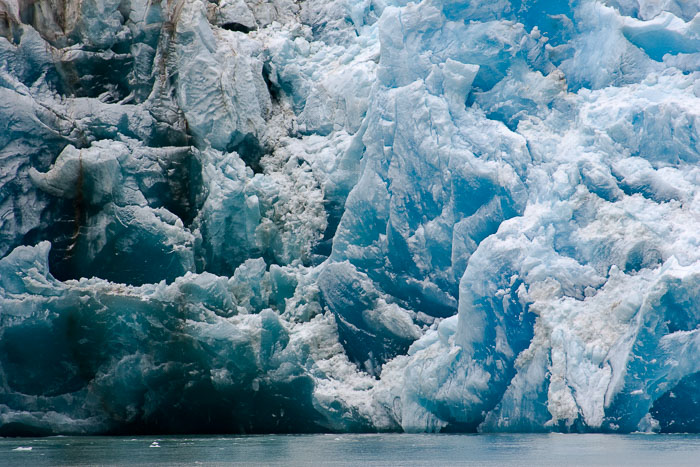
(349,215)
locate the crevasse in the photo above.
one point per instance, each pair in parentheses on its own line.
(349,215)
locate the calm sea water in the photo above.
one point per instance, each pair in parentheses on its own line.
(362,450)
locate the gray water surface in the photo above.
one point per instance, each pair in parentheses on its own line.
(353,450)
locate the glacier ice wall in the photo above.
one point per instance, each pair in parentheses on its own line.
(349,215)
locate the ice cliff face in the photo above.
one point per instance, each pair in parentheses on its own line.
(349,215)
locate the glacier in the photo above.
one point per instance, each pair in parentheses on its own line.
(256,216)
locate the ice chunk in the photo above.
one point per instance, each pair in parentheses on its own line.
(111,356)
(371,330)
(223,95)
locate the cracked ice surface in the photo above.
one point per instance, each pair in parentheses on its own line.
(349,215)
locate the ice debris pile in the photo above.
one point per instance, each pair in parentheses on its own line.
(349,215)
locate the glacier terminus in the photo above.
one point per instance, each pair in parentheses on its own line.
(256,216)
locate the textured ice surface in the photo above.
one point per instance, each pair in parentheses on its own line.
(349,215)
